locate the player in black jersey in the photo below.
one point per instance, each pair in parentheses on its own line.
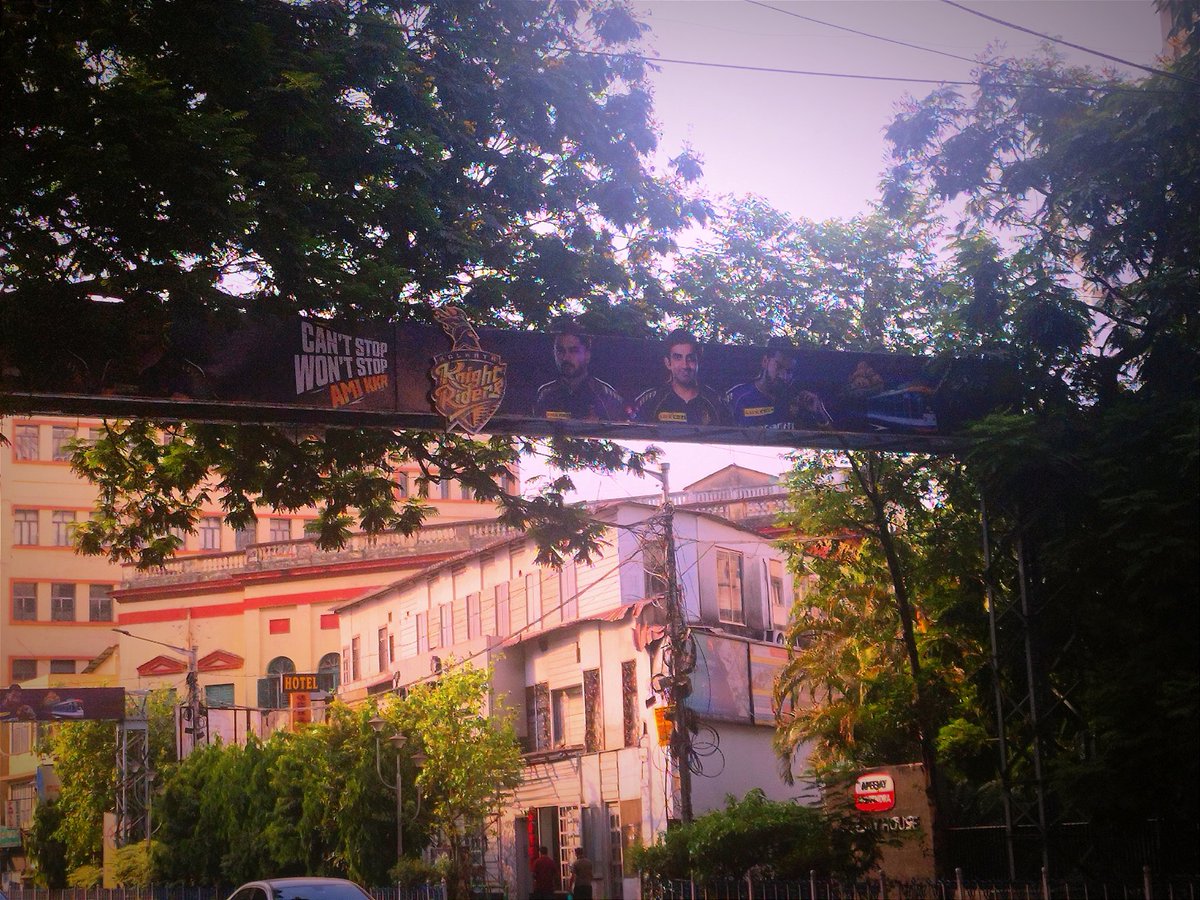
(576,394)
(683,399)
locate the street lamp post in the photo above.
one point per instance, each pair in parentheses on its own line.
(193,687)
(397,741)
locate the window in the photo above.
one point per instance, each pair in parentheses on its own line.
(537,716)
(776,614)
(593,721)
(569,605)
(210,533)
(281,529)
(465,492)
(391,647)
(567,724)
(281,665)
(95,435)
(445,625)
(62,667)
(355,658)
(401,484)
(616,865)
(218,695)
(444,490)
(62,603)
(60,438)
(63,522)
(345,664)
(422,633)
(329,621)
(327,672)
(100,605)
(244,537)
(24,601)
(383,649)
(279,626)
(474,616)
(20,740)
(729,587)
(25,527)
(503,613)
(533,598)
(24,669)
(25,442)
(629,699)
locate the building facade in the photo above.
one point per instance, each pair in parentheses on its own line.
(577,660)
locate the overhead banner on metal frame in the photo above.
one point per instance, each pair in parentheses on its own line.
(503,381)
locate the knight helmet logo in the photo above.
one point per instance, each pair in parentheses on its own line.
(468,382)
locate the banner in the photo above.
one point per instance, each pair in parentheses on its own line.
(243,368)
(65,704)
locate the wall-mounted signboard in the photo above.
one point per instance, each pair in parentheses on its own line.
(503,381)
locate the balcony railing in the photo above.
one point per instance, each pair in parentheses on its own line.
(287,554)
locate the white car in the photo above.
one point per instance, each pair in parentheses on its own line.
(300,889)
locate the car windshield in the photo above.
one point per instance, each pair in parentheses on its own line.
(328,891)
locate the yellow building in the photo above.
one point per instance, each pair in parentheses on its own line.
(58,612)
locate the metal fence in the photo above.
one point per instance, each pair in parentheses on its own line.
(435,891)
(953,889)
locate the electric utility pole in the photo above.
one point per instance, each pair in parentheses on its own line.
(681,660)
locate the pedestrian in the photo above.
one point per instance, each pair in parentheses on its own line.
(545,876)
(581,876)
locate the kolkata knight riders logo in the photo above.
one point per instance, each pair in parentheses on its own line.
(468,382)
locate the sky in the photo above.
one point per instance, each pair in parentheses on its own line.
(814,146)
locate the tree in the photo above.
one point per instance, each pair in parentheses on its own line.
(366,160)
(888,642)
(756,836)
(869,283)
(46,849)
(1092,178)
(85,755)
(308,802)
(473,758)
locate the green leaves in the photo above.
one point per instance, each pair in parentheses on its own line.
(755,835)
(154,479)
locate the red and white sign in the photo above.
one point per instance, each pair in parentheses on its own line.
(874,792)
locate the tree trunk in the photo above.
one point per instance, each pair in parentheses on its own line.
(926,728)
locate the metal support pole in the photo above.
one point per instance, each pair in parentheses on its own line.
(1034,683)
(998,693)
(399,809)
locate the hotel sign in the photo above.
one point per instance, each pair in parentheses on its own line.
(298,683)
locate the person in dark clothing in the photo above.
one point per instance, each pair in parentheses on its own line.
(581,876)
(683,399)
(545,876)
(576,393)
(771,400)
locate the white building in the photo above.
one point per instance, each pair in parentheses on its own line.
(576,655)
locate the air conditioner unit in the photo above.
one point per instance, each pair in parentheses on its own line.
(775,636)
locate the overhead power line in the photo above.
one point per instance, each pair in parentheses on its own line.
(778,70)
(867,34)
(1065,43)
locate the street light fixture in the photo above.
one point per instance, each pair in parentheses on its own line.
(397,740)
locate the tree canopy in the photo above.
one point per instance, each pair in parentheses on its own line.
(363,160)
